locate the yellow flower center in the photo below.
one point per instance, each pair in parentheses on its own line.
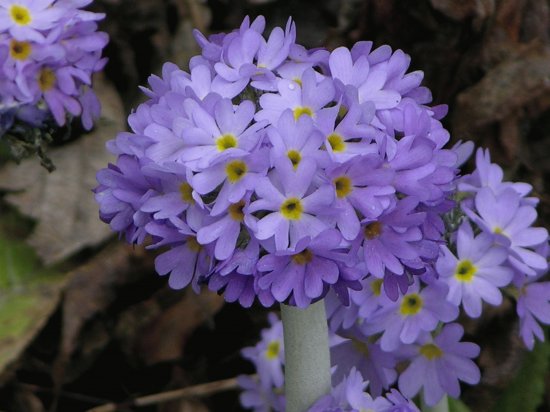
(342,111)
(336,142)
(272,351)
(46,79)
(343,186)
(292,208)
(303,258)
(431,351)
(236,211)
(226,141)
(301,110)
(376,287)
(295,157)
(411,304)
(193,245)
(20,50)
(465,271)
(373,230)
(498,231)
(298,80)
(20,14)
(360,347)
(235,170)
(186,192)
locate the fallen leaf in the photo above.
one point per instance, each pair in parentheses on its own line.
(504,89)
(27,401)
(91,290)
(62,202)
(460,10)
(156,330)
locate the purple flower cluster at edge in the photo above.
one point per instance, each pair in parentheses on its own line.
(49,50)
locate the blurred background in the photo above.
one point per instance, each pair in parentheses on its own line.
(84,319)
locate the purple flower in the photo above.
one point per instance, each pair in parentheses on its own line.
(369,80)
(122,191)
(264,393)
(533,302)
(400,403)
(305,272)
(238,278)
(268,355)
(27,20)
(232,178)
(212,136)
(224,231)
(504,215)
(420,310)
(376,365)
(54,48)
(439,364)
(295,139)
(487,174)
(257,397)
(174,196)
(350,136)
(349,395)
(392,239)
(477,273)
(305,99)
(294,202)
(362,187)
(186,261)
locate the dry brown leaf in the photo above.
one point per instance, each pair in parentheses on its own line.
(504,89)
(461,10)
(156,330)
(62,202)
(90,291)
(27,401)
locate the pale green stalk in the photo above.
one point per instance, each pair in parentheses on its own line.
(307,357)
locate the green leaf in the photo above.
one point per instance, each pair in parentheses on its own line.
(29,295)
(17,264)
(525,392)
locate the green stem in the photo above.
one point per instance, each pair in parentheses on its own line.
(307,356)
(441,406)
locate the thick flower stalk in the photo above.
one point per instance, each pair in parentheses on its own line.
(49,50)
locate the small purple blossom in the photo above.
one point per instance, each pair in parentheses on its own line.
(375,364)
(306,271)
(294,201)
(438,365)
(419,310)
(477,273)
(505,216)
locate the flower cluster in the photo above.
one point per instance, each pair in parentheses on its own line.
(275,172)
(264,392)
(492,247)
(282,174)
(49,50)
